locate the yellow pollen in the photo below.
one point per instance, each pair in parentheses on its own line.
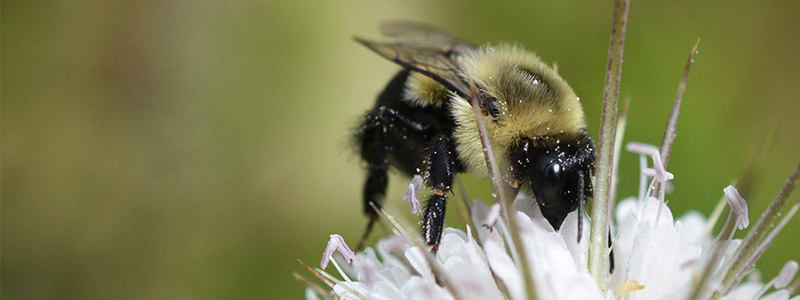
(629,286)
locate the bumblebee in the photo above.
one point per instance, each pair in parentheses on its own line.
(423,123)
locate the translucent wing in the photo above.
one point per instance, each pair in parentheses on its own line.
(425,50)
(424,36)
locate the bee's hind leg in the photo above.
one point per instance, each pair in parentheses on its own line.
(374,135)
(374,151)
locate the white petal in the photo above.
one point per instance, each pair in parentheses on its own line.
(555,270)
(526,204)
(478,213)
(416,258)
(504,268)
(693,230)
(384,290)
(467,266)
(655,257)
(627,220)
(417,288)
(777,295)
(569,233)
(343,289)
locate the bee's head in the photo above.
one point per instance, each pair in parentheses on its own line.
(554,169)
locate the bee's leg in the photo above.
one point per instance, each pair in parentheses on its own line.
(433,222)
(374,152)
(374,135)
(441,169)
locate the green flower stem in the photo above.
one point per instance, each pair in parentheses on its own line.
(598,249)
(751,262)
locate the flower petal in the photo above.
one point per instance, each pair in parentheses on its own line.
(504,268)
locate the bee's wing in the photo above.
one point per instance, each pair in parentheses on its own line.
(432,62)
(424,36)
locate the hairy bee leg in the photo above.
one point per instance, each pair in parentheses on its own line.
(433,221)
(375,152)
(400,122)
(441,169)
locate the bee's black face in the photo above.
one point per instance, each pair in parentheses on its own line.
(557,175)
(550,183)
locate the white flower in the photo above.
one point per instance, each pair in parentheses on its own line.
(656,257)
(649,251)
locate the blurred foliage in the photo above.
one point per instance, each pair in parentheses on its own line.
(196,149)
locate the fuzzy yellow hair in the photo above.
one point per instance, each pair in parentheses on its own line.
(533,100)
(421,90)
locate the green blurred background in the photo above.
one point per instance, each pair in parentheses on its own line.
(196,149)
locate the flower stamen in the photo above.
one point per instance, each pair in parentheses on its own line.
(781,281)
(738,206)
(336,243)
(659,171)
(412,194)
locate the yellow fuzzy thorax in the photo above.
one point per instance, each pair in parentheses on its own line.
(533,101)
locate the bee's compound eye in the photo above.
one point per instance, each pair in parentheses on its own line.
(553,181)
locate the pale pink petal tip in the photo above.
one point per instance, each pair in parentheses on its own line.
(785,276)
(412,194)
(660,176)
(336,243)
(738,205)
(658,171)
(641,148)
(661,171)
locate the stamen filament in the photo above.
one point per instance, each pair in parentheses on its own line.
(715,214)
(642,177)
(335,264)
(780,281)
